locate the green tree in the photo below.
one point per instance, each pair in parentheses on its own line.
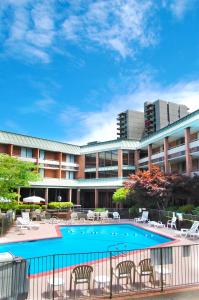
(120,195)
(15,173)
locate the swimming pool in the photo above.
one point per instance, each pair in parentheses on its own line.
(86,238)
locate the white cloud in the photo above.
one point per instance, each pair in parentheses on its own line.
(118,25)
(101,126)
(179,7)
(32,29)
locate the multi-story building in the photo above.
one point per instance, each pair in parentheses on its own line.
(130,125)
(159,114)
(89,174)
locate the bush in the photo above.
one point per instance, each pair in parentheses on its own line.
(60,205)
(133,211)
(100,210)
(18,207)
(196,211)
(186,209)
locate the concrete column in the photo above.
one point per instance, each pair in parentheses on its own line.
(149,156)
(97,165)
(10,150)
(187,151)
(70,195)
(60,164)
(96,198)
(136,158)
(166,161)
(78,196)
(120,163)
(46,196)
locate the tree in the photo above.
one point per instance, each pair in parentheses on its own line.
(120,195)
(15,173)
(149,187)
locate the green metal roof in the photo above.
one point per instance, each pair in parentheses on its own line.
(33,142)
(109,145)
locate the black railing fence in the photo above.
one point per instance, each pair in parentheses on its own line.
(6,221)
(120,271)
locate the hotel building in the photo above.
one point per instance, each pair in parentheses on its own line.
(89,174)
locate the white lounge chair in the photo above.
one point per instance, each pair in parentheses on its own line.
(24,224)
(172,223)
(158,224)
(26,216)
(116,216)
(143,218)
(191,232)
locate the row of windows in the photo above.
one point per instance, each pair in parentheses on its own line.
(105,174)
(109,158)
(28,152)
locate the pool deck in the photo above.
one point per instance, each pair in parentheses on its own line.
(47,231)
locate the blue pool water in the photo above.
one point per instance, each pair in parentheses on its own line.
(83,239)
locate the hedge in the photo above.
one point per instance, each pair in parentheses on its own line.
(59,205)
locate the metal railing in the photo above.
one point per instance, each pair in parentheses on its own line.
(70,276)
(6,221)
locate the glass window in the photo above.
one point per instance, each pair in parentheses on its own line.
(110,173)
(89,175)
(114,158)
(102,159)
(26,152)
(125,158)
(90,160)
(108,158)
(42,154)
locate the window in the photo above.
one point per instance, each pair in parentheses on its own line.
(108,158)
(42,154)
(90,160)
(26,152)
(110,173)
(128,158)
(89,175)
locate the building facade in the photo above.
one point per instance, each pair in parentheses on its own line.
(159,114)
(89,174)
(130,125)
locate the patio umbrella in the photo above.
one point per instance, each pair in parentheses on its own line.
(33,199)
(5,200)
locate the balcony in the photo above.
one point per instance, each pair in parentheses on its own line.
(28,159)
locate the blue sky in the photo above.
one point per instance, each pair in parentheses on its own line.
(67,68)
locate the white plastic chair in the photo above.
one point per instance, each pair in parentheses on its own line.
(172,223)
(116,216)
(90,215)
(24,224)
(192,232)
(144,217)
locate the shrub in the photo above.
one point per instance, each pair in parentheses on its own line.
(133,211)
(186,209)
(18,207)
(196,211)
(100,210)
(60,205)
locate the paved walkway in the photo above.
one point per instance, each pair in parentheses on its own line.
(191,295)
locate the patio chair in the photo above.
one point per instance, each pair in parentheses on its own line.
(116,216)
(143,218)
(125,270)
(172,223)
(145,268)
(26,216)
(80,275)
(24,224)
(104,216)
(191,232)
(74,216)
(90,215)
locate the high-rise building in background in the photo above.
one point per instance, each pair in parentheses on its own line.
(130,125)
(159,114)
